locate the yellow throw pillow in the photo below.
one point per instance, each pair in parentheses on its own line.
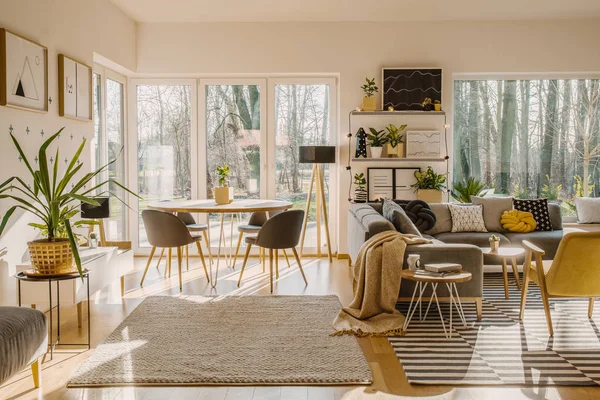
(518,221)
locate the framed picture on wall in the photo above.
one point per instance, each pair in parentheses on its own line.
(423,144)
(75,88)
(406,88)
(391,183)
(23,73)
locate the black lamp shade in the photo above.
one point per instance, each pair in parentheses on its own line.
(89,211)
(317,154)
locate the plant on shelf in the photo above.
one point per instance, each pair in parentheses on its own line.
(360,193)
(376,140)
(429,185)
(369,102)
(494,243)
(437,105)
(427,104)
(54,199)
(462,191)
(223,193)
(395,145)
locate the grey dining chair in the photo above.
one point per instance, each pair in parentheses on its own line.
(279,232)
(194,227)
(166,230)
(256,221)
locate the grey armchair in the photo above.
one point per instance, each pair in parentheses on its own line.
(279,232)
(166,230)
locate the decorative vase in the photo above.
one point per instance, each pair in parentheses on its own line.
(223,195)
(51,257)
(360,194)
(429,195)
(400,150)
(391,151)
(437,107)
(376,152)
(361,144)
(494,245)
(369,103)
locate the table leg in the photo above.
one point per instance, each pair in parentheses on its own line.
(58,311)
(505,274)
(433,288)
(51,342)
(437,303)
(516,272)
(213,282)
(458,304)
(19,284)
(89,315)
(412,308)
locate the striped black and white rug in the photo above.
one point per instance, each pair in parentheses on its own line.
(499,349)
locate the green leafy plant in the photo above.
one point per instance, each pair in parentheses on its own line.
(377,138)
(426,101)
(550,190)
(360,180)
(223,172)
(395,134)
(520,193)
(52,198)
(369,88)
(429,180)
(462,191)
(437,102)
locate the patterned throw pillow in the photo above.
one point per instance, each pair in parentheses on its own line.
(467,218)
(539,209)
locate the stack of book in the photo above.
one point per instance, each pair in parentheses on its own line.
(438,270)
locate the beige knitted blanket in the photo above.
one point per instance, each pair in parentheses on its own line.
(376,284)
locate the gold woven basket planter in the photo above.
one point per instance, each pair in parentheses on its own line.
(51,258)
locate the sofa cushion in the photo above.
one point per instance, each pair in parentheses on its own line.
(443,219)
(546,240)
(539,209)
(493,207)
(370,220)
(479,239)
(588,210)
(396,215)
(555,215)
(467,218)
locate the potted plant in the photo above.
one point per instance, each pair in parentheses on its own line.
(437,105)
(224,193)
(427,105)
(494,243)
(429,185)
(369,102)
(376,140)
(360,193)
(395,145)
(54,200)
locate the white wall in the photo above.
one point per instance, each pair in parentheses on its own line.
(75,28)
(356,50)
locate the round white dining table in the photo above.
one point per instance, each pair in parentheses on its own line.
(233,208)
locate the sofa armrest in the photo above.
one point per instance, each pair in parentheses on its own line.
(469,256)
(363,223)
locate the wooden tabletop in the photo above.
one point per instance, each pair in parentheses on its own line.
(503,251)
(209,206)
(455,277)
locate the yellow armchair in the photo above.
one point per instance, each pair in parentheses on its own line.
(574,272)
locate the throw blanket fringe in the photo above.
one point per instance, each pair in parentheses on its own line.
(376,285)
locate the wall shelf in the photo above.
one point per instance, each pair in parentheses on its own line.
(397,160)
(397,113)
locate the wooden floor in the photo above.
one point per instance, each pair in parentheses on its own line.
(109,309)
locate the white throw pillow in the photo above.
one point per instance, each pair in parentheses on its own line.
(588,210)
(467,218)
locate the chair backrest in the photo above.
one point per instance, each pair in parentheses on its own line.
(258,218)
(186,217)
(165,229)
(281,231)
(575,271)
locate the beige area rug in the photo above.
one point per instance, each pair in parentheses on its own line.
(227,340)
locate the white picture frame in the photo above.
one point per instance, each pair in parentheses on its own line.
(423,144)
(23,73)
(75,88)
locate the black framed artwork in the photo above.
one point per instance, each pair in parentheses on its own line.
(391,183)
(406,88)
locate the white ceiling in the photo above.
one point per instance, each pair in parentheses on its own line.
(354,10)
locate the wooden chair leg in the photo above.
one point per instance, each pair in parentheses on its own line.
(479,307)
(515,271)
(169,257)
(202,260)
(524,290)
(590,307)
(262,258)
(244,263)
(287,260)
(276,264)
(271,268)
(237,249)
(162,253)
(36,372)
(148,264)
(542,284)
(187,257)
(299,265)
(179,263)
(210,257)
(505,275)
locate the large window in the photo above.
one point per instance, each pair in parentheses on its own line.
(529,138)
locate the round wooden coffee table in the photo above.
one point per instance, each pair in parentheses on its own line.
(422,280)
(505,253)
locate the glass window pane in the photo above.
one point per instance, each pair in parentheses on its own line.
(116,226)
(164,120)
(529,138)
(97,110)
(301,119)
